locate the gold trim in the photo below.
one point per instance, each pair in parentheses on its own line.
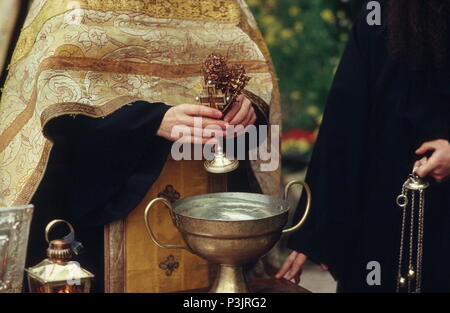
(92,64)
(64,62)
(114,238)
(33,182)
(59,109)
(54,111)
(224,11)
(138,68)
(22,118)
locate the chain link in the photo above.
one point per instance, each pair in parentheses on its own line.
(414,269)
(420,240)
(402,239)
(410,273)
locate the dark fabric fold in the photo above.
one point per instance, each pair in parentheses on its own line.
(379,112)
(114,161)
(98,171)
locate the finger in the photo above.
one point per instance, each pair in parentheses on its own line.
(240,129)
(204,122)
(296,266)
(297,277)
(197,135)
(190,139)
(246,106)
(245,121)
(236,106)
(287,264)
(210,133)
(324,267)
(420,163)
(284,269)
(201,110)
(427,146)
(207,132)
(253,120)
(248,120)
(240,116)
(426,168)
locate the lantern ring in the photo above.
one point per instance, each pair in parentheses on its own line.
(402,201)
(53,223)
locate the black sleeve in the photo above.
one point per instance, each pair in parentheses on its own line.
(111,162)
(338,158)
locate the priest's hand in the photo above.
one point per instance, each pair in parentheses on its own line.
(241,112)
(184,115)
(293,266)
(438,164)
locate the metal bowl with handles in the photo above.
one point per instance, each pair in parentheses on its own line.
(230,229)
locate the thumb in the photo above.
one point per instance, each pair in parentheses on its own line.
(201,110)
(419,163)
(425,168)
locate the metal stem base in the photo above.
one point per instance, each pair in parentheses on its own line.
(230,279)
(221,164)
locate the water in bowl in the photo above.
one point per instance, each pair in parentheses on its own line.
(228,209)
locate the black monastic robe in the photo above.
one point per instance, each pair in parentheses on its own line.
(379,112)
(99,170)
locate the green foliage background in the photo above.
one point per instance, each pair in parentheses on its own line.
(306,39)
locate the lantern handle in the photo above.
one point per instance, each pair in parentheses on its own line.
(53,223)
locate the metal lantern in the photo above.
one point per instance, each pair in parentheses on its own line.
(58,273)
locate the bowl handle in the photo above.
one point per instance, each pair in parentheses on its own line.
(149,228)
(308,203)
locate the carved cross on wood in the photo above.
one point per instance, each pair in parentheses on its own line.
(222,83)
(212,97)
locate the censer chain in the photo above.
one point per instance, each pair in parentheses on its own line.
(400,279)
(412,186)
(420,240)
(411,273)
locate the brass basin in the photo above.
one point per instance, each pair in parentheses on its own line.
(231,229)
